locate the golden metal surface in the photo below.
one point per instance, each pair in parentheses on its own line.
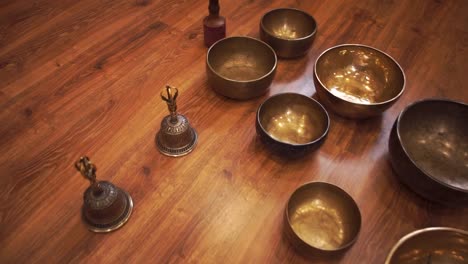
(357,80)
(436,245)
(293,118)
(241,59)
(323,216)
(240,67)
(289,31)
(292,127)
(429,149)
(435,136)
(288,23)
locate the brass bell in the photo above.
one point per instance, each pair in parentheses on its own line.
(106,207)
(175,137)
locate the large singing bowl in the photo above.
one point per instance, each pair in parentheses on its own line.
(429,150)
(357,81)
(435,245)
(240,67)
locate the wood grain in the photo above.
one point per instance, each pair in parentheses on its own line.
(83,77)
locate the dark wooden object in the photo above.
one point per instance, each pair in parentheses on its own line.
(83,77)
(214,25)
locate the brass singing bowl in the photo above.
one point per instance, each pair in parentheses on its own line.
(323,217)
(291,122)
(358,81)
(429,150)
(240,67)
(436,245)
(290,32)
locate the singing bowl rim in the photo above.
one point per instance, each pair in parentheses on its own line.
(271,34)
(417,232)
(272,70)
(318,139)
(346,194)
(413,162)
(389,101)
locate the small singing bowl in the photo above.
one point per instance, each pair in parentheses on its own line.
(431,245)
(240,67)
(290,32)
(428,149)
(322,217)
(358,81)
(292,123)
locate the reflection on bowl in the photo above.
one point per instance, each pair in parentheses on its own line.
(431,245)
(357,81)
(292,122)
(429,150)
(323,217)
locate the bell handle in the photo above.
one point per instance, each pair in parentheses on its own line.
(172,93)
(88,170)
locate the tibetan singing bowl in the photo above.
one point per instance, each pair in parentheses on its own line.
(358,81)
(429,150)
(436,245)
(323,217)
(290,32)
(291,122)
(240,67)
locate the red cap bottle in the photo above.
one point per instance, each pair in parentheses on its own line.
(214,25)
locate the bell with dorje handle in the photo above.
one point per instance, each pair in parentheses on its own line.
(175,137)
(106,207)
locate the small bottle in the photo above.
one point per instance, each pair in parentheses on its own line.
(214,25)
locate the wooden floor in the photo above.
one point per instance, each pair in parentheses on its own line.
(84,77)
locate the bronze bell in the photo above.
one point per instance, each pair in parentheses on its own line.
(175,137)
(106,207)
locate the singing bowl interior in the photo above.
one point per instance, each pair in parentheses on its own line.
(431,245)
(287,23)
(434,134)
(293,119)
(360,74)
(241,59)
(324,216)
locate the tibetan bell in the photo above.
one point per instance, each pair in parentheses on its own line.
(106,207)
(175,137)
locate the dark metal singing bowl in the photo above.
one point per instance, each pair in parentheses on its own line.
(429,150)
(358,81)
(290,32)
(292,122)
(240,67)
(323,217)
(431,245)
